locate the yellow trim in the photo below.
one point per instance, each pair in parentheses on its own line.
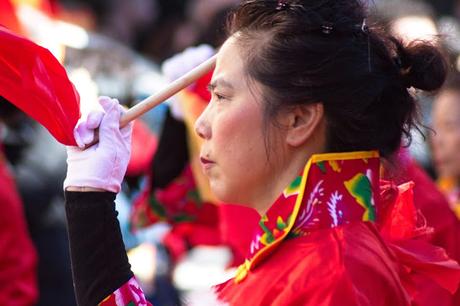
(344,156)
(295,212)
(248,264)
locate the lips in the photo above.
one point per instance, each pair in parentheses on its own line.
(206,163)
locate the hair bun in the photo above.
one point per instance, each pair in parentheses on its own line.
(423,65)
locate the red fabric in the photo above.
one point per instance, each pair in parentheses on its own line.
(143,147)
(431,203)
(32,79)
(427,272)
(346,266)
(8,17)
(434,208)
(237,224)
(200,87)
(428,266)
(46,6)
(17,255)
(401,220)
(348,262)
(201,231)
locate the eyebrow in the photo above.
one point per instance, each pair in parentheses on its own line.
(220,83)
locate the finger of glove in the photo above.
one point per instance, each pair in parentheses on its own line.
(197,55)
(109,130)
(126,134)
(172,67)
(181,63)
(126,131)
(194,56)
(84,131)
(94,119)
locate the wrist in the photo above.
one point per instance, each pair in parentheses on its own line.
(84,189)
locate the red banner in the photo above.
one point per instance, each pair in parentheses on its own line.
(33,80)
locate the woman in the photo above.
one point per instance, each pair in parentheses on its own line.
(304,97)
(446,140)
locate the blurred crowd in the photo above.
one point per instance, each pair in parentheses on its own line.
(178,238)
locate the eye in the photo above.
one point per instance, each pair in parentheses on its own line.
(215,93)
(219,96)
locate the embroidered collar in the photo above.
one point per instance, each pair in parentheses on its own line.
(332,190)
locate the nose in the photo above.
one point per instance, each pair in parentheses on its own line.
(202,126)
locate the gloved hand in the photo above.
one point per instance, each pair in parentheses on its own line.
(183,62)
(179,65)
(104,164)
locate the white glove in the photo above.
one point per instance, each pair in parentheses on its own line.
(84,130)
(104,164)
(181,63)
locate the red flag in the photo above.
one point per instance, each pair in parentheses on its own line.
(32,79)
(8,16)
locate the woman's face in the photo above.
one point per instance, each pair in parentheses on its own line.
(446,139)
(233,154)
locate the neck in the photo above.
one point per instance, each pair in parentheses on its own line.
(288,170)
(331,190)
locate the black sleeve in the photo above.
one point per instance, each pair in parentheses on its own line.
(99,261)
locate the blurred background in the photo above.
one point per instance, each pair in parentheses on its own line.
(180,241)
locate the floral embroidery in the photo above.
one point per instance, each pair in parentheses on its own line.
(332,190)
(130,294)
(360,188)
(332,208)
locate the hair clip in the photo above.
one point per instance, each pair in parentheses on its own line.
(327,28)
(282,5)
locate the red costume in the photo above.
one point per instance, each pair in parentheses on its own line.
(337,235)
(319,243)
(17,256)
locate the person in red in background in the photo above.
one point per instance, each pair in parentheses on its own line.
(18,259)
(446,142)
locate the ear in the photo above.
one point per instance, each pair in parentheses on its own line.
(303,122)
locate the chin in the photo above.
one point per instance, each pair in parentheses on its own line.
(226,195)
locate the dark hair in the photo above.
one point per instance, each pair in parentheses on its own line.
(322,51)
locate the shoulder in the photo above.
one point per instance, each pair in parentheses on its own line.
(349,265)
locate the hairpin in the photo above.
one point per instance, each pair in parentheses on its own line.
(282,5)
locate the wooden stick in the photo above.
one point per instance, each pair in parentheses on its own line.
(169,91)
(147,104)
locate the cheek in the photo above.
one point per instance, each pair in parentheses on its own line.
(452,143)
(448,153)
(239,144)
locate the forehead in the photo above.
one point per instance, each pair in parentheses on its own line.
(229,66)
(447,105)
